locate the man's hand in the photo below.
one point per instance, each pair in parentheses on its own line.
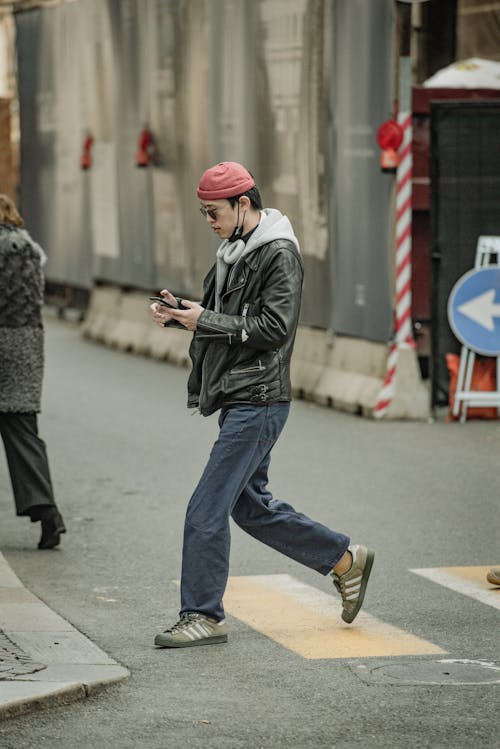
(187,317)
(161,314)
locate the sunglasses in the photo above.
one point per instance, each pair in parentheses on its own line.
(210,212)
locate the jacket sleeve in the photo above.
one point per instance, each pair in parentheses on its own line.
(278,313)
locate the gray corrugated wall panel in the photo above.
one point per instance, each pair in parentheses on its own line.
(72,240)
(215,79)
(133,113)
(36,107)
(55,202)
(361,243)
(118,101)
(28,54)
(233,32)
(182,65)
(100,81)
(290,127)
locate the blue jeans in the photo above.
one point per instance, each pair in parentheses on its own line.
(234,483)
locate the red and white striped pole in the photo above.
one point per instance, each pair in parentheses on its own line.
(403,333)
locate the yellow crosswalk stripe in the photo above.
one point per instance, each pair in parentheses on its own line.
(307,621)
(470,581)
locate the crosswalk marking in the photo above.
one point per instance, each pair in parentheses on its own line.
(307,621)
(470,581)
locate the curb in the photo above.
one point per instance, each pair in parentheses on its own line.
(74,666)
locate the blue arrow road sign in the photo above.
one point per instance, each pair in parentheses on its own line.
(474,310)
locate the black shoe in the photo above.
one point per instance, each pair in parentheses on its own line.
(52,527)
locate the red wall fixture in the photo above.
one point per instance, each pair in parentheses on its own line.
(146,147)
(86,157)
(389,138)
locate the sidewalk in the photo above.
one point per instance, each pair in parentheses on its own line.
(43,659)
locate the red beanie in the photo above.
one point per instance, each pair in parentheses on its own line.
(224,180)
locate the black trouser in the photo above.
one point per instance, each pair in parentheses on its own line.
(28,464)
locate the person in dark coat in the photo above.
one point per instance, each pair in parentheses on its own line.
(21,374)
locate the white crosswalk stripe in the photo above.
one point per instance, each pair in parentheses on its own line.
(469,581)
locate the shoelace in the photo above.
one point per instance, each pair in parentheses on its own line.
(340,586)
(183,622)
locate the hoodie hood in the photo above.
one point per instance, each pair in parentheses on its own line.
(273,225)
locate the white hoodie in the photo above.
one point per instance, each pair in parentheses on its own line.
(273,225)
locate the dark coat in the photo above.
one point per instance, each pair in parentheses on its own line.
(242,354)
(21,329)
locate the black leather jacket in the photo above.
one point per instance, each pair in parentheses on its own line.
(242,354)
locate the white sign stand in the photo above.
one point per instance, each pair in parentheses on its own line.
(487,247)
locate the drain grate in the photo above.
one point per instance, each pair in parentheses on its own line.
(14,661)
(452,671)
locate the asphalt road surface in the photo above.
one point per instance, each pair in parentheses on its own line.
(125,455)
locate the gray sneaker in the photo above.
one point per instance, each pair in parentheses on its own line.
(352,584)
(192,629)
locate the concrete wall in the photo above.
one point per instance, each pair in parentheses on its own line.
(337,372)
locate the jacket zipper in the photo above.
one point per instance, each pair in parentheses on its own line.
(203,382)
(218,334)
(215,335)
(259,368)
(230,289)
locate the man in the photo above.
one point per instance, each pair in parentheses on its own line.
(244,330)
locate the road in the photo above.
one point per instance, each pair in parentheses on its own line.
(125,455)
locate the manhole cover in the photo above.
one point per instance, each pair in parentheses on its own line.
(14,661)
(453,671)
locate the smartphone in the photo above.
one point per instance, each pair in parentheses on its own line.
(161,300)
